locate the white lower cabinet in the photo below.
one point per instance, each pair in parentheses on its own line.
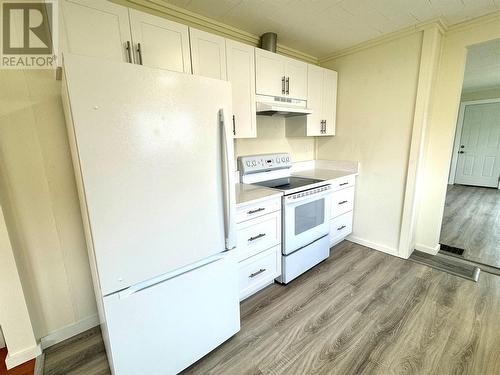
(258,245)
(342,208)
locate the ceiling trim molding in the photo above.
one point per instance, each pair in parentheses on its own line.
(438,22)
(461,26)
(175,13)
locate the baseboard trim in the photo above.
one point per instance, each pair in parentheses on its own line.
(39,362)
(427,249)
(374,245)
(16,359)
(69,331)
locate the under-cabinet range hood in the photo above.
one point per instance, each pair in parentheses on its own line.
(279,106)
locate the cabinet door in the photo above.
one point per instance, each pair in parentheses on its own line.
(269,73)
(208,54)
(160,43)
(241,74)
(315,100)
(296,74)
(330,100)
(95,28)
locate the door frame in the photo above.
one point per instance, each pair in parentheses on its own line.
(458,134)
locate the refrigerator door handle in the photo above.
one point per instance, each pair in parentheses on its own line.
(229,188)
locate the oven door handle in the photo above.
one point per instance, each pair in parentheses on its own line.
(289,201)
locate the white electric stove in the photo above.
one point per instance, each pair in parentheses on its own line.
(305,215)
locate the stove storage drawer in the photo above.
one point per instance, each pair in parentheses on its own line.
(343,182)
(342,201)
(256,235)
(259,270)
(252,210)
(340,227)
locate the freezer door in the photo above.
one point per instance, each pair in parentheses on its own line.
(166,327)
(152,150)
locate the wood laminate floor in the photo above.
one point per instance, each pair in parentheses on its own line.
(359,312)
(472,222)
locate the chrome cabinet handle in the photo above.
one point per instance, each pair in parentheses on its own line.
(258,272)
(234,125)
(129,52)
(344,183)
(139,51)
(343,202)
(283,84)
(260,235)
(340,228)
(288,85)
(324,123)
(255,211)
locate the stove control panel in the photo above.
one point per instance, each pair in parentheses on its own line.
(265,162)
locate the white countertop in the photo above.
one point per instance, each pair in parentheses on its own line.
(246,193)
(323,174)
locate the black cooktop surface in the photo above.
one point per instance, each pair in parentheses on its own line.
(287,183)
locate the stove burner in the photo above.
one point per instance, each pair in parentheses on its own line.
(287,183)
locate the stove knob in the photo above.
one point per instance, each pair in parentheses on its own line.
(248,163)
(287,159)
(254,163)
(283,160)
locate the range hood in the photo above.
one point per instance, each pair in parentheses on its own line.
(278,106)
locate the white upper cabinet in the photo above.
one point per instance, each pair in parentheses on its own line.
(278,75)
(95,28)
(322,100)
(208,54)
(241,74)
(103,29)
(160,43)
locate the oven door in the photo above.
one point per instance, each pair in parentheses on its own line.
(305,219)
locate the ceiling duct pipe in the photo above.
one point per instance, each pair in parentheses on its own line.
(268,41)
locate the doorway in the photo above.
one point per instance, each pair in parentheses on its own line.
(471,222)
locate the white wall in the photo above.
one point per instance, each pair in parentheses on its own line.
(42,211)
(271,138)
(376,100)
(14,317)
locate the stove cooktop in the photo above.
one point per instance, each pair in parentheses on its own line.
(288,183)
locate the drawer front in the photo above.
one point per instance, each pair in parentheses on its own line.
(342,201)
(340,227)
(258,270)
(343,182)
(258,234)
(251,211)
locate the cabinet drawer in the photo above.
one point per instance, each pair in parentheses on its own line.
(258,234)
(253,210)
(340,227)
(257,271)
(342,201)
(343,182)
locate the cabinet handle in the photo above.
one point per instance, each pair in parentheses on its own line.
(129,52)
(258,272)
(340,228)
(343,202)
(255,211)
(344,183)
(283,85)
(139,52)
(324,124)
(288,85)
(256,237)
(234,125)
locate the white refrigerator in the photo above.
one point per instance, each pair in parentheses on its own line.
(153,159)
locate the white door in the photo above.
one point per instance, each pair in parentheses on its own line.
(296,79)
(478,160)
(151,164)
(241,73)
(95,28)
(269,73)
(165,327)
(329,101)
(208,54)
(160,43)
(315,100)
